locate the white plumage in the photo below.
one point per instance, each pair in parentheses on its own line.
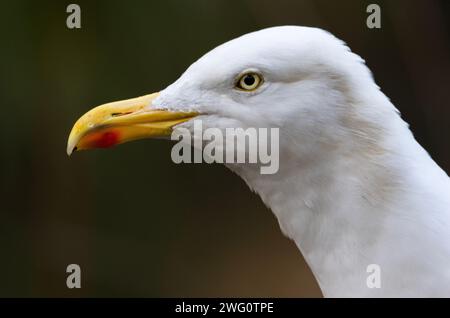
(354,187)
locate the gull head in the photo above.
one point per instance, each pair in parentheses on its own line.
(302,80)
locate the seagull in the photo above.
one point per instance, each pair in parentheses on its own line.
(355,191)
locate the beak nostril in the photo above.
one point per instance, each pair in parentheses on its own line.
(120,114)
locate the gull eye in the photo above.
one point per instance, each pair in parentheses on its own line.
(249,82)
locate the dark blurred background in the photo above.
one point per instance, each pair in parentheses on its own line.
(136,223)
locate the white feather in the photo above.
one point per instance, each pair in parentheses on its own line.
(354,187)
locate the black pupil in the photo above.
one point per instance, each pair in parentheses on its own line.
(249,80)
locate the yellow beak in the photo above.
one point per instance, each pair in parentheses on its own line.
(118,122)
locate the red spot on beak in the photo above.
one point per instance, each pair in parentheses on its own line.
(101,139)
(107,139)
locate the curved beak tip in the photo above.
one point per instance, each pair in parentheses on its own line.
(70,150)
